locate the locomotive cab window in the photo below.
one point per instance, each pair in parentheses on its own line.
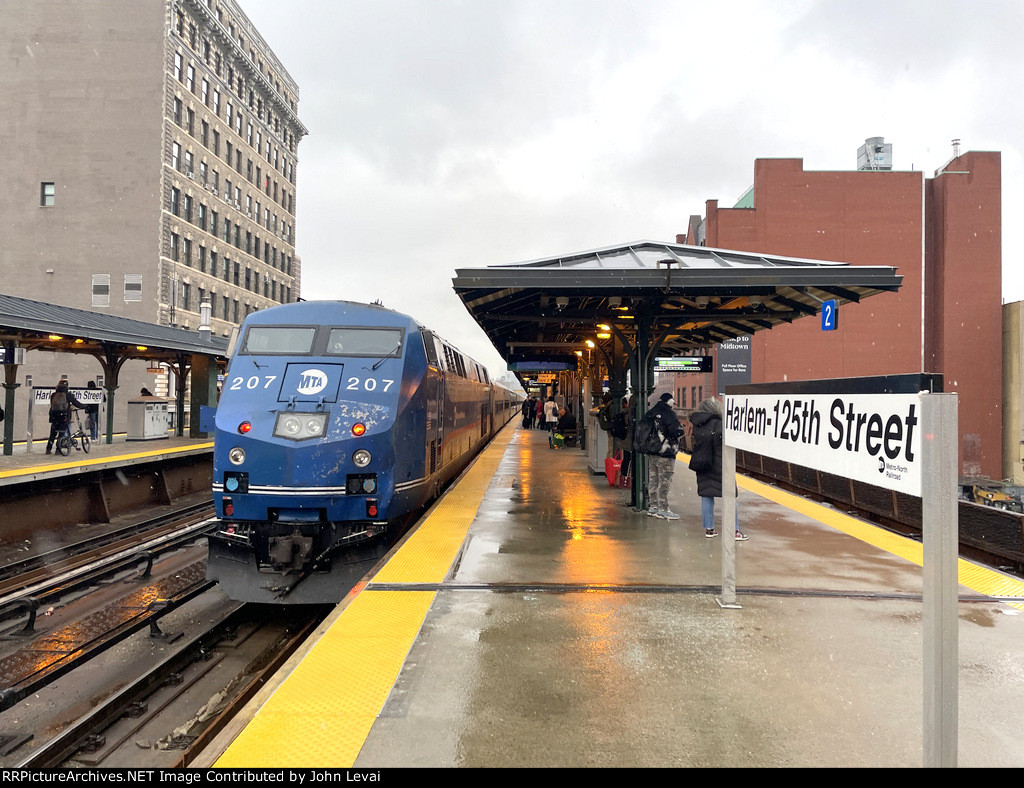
(377,342)
(293,340)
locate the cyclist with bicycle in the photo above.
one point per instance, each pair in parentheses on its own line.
(61,402)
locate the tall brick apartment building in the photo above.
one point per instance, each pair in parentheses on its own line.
(943,234)
(150,154)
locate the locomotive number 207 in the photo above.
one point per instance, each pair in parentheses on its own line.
(252,382)
(367,384)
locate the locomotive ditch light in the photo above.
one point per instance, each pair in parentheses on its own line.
(244,427)
(358,429)
(361,457)
(236,455)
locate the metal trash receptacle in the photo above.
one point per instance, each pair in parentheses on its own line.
(147,419)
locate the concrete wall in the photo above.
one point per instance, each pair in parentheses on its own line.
(81,96)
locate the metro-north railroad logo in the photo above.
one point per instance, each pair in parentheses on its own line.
(312,381)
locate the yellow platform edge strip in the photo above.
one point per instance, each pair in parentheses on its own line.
(99,460)
(323,711)
(428,553)
(976,577)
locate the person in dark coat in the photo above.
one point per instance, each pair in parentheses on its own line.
(61,402)
(527,410)
(661,463)
(92,411)
(706,462)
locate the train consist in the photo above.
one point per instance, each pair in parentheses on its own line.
(337,423)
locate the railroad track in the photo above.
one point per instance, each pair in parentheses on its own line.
(166,715)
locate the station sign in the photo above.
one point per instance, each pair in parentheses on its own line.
(684,364)
(41,395)
(541,366)
(870,437)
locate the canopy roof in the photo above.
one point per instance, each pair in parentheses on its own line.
(690,296)
(37,325)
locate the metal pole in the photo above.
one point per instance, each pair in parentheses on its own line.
(940,528)
(728,597)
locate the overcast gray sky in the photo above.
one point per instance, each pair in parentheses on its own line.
(447,134)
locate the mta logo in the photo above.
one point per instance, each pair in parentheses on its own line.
(312,381)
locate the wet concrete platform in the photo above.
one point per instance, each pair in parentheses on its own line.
(570,630)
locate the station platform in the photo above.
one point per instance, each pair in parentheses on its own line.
(23,465)
(534,620)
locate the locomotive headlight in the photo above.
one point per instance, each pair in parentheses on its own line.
(361,457)
(300,426)
(236,455)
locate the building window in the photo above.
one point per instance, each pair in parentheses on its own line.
(175,248)
(177,67)
(177,110)
(175,201)
(213,263)
(190,78)
(202,259)
(186,296)
(46,194)
(190,122)
(188,208)
(133,287)
(205,95)
(176,155)
(202,216)
(101,289)
(189,163)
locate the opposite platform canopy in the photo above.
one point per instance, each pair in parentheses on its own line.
(690,296)
(37,325)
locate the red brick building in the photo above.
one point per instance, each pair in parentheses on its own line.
(944,236)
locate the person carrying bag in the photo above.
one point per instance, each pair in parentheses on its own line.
(657,435)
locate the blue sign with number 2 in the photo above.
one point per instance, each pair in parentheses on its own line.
(829,316)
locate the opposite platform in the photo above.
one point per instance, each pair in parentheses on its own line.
(533,620)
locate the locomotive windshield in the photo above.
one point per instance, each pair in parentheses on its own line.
(379,342)
(279,339)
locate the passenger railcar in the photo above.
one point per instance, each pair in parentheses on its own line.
(337,422)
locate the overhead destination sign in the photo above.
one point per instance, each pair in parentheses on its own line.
(873,438)
(684,364)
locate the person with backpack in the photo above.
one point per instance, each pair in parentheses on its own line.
(61,402)
(658,437)
(706,462)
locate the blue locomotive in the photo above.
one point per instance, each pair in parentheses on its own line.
(337,422)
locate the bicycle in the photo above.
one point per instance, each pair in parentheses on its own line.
(79,439)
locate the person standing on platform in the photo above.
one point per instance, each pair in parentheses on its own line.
(92,412)
(527,410)
(539,414)
(621,430)
(706,462)
(662,447)
(61,402)
(550,414)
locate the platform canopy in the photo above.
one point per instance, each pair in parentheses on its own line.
(687,297)
(37,325)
